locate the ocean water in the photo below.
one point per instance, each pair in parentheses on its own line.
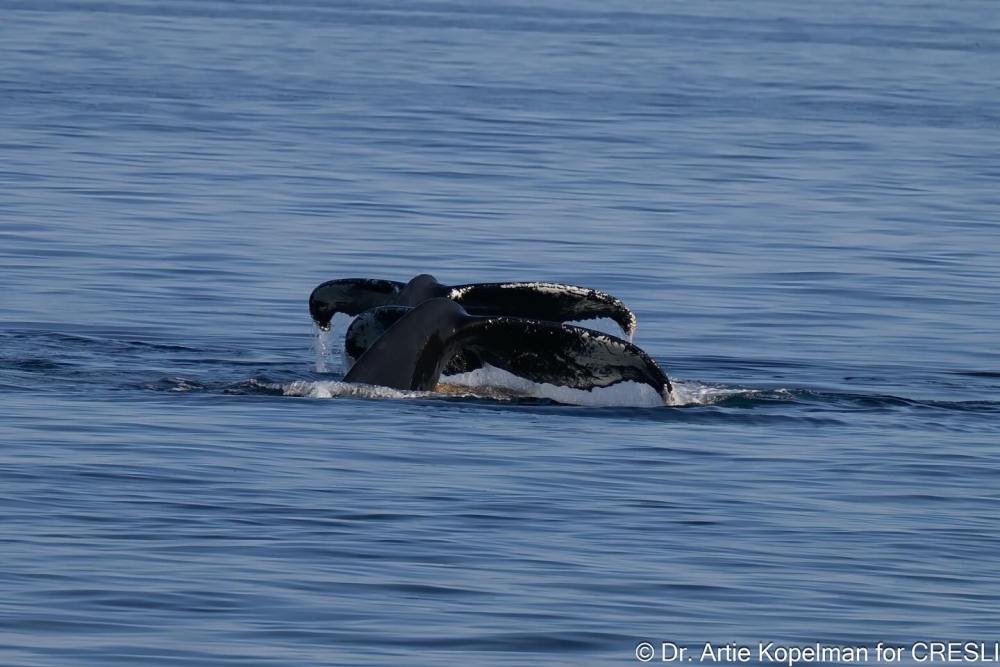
(799,201)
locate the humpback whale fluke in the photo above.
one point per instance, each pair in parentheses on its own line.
(416,349)
(537,300)
(351,296)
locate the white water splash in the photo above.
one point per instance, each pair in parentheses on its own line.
(689,392)
(333,389)
(322,349)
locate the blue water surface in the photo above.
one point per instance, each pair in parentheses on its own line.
(799,201)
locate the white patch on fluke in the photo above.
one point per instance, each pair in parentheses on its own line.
(622,394)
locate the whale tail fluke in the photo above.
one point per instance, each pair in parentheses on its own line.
(351,296)
(543,301)
(420,343)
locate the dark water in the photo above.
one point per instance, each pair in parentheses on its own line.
(799,201)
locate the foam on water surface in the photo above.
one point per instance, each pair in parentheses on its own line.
(334,389)
(690,392)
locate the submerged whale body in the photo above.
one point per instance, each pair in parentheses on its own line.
(406,335)
(417,348)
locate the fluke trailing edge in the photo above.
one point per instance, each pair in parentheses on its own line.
(534,300)
(407,335)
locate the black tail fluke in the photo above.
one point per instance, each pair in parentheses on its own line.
(415,350)
(543,301)
(350,296)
